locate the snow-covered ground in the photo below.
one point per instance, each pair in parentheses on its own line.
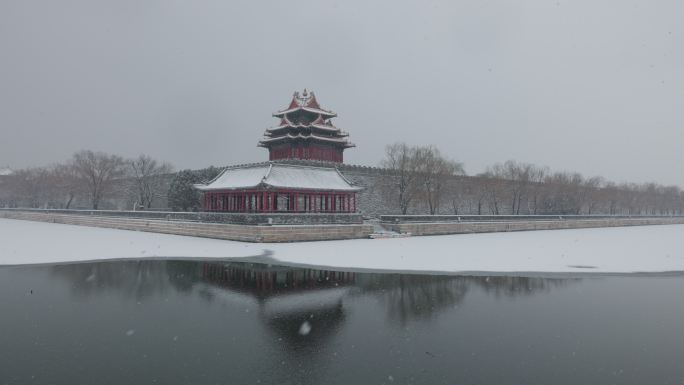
(618,249)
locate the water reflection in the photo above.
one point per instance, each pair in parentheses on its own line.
(287,296)
(179,322)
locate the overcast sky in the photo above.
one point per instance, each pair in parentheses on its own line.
(584,85)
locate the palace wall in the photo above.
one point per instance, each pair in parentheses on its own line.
(433,226)
(235,232)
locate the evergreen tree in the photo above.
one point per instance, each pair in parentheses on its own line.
(182,195)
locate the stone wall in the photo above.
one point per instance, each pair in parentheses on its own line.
(501,218)
(247,233)
(372,202)
(214,217)
(441,228)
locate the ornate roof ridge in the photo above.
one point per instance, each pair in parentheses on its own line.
(305,101)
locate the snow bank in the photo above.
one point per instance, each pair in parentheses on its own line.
(620,249)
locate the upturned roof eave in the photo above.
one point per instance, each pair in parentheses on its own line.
(267,186)
(320,111)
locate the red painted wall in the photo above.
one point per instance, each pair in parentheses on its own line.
(311,152)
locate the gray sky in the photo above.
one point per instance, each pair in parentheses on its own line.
(582,85)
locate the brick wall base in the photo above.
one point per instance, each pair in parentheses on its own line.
(246,233)
(440,228)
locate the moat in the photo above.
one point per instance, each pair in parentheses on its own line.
(195,322)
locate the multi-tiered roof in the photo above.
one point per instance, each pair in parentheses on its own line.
(305,132)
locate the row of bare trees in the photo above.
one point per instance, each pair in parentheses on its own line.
(89,177)
(421,181)
(418,173)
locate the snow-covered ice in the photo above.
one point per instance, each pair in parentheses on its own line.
(617,249)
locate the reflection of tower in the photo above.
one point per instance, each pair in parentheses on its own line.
(303,309)
(288,297)
(265,281)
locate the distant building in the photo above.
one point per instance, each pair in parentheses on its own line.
(304,133)
(6,171)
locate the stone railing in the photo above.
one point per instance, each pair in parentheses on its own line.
(274,218)
(236,232)
(448,224)
(499,218)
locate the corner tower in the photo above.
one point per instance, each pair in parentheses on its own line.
(305,132)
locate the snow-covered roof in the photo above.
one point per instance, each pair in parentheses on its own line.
(324,127)
(5,171)
(338,140)
(319,111)
(306,101)
(307,136)
(277,175)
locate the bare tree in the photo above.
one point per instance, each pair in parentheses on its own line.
(98,172)
(434,171)
(401,180)
(29,186)
(65,184)
(537,177)
(148,179)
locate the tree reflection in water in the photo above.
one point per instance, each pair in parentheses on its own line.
(422,297)
(288,296)
(299,314)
